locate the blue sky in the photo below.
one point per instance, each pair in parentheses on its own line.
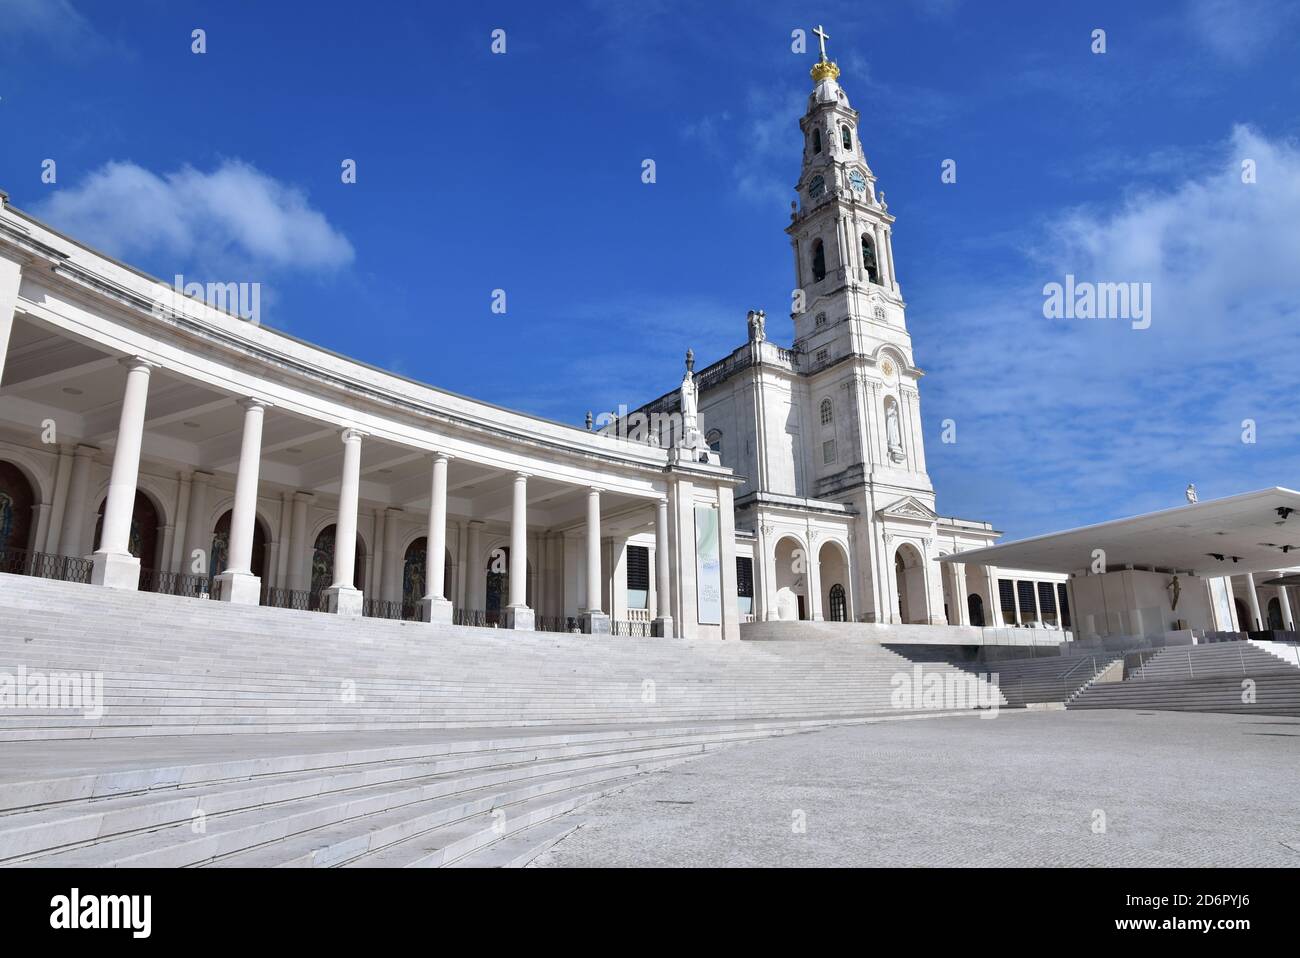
(522,172)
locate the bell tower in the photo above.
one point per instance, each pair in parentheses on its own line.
(847,301)
(854,355)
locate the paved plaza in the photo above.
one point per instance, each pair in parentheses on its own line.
(1026,789)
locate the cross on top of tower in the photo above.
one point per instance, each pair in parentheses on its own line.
(822,37)
(823,69)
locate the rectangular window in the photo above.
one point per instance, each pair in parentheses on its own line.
(822,355)
(745,584)
(1064,595)
(1025,592)
(828,451)
(638,577)
(1007,597)
(1047,601)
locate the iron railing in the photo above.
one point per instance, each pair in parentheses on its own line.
(555,623)
(298,599)
(469,617)
(640,630)
(381,609)
(177,583)
(43,565)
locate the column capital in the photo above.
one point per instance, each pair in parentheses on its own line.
(85,452)
(394,510)
(521,477)
(441,456)
(198,475)
(253,402)
(352,434)
(594,491)
(138,362)
(304,497)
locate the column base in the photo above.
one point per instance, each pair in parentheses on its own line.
(115,571)
(437,610)
(662,627)
(518,617)
(594,623)
(343,600)
(239,588)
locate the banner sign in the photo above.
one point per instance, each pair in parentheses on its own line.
(708,566)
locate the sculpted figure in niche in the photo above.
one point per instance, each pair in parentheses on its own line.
(893,432)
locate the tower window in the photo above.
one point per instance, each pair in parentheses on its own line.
(816,187)
(819,262)
(638,577)
(827,412)
(869,259)
(823,355)
(828,452)
(846,137)
(821,320)
(714,440)
(745,584)
(817,140)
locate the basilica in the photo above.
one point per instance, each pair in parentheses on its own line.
(151,441)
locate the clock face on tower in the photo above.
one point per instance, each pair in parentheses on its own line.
(858,181)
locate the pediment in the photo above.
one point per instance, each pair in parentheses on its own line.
(910,508)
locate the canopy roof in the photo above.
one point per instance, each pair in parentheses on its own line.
(1250,532)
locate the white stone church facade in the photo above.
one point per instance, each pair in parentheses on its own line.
(148,440)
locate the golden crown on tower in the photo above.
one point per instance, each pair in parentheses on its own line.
(824,69)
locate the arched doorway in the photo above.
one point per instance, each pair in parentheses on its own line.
(1274,614)
(322,565)
(833,573)
(143,541)
(909,574)
(1244,617)
(219,557)
(497,571)
(16,500)
(791,579)
(415,577)
(837,606)
(975,606)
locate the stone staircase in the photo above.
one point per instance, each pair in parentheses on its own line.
(1026,681)
(235,736)
(1213,677)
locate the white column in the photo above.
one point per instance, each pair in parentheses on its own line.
(1252,601)
(197,533)
(343,597)
(377,561)
(40,526)
(114,566)
(75,518)
(1285,601)
(962,612)
(62,476)
(594,621)
(663,623)
(390,586)
(297,568)
(11,275)
(435,606)
(474,571)
(237,583)
(518,615)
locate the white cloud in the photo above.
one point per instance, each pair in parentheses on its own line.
(1065,421)
(230,223)
(55,21)
(1238,30)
